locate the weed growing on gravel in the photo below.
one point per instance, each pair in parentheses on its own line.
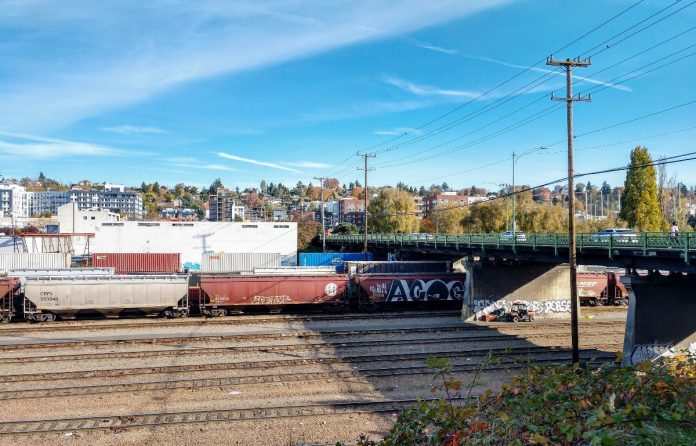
(649,404)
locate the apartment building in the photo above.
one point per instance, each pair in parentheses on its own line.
(23,204)
(223,206)
(448,198)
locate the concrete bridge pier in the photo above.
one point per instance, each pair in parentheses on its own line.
(493,285)
(661,316)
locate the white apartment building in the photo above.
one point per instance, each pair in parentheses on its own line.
(23,204)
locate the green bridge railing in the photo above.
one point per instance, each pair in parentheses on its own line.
(642,241)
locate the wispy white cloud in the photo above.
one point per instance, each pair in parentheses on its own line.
(439,49)
(427,90)
(194,163)
(308,165)
(255,162)
(398,131)
(114,54)
(33,146)
(589,80)
(132,129)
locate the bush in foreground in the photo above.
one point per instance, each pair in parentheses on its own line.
(651,404)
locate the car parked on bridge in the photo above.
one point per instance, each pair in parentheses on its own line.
(622,235)
(507,236)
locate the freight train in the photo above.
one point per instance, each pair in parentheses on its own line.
(45,297)
(605,288)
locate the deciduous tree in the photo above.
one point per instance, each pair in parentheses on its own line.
(393,210)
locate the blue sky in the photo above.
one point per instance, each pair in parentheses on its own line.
(182,91)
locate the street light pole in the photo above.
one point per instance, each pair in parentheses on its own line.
(516,158)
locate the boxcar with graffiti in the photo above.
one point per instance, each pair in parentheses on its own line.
(234,293)
(405,288)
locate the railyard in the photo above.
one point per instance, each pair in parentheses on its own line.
(285,379)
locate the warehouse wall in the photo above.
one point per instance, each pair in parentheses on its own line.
(192,239)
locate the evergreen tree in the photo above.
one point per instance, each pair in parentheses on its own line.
(639,203)
(606,189)
(143,187)
(215,185)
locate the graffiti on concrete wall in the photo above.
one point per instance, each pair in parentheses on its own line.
(539,307)
(650,352)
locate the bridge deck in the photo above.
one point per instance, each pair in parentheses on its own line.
(646,250)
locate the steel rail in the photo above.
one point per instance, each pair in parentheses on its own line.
(265,364)
(279,347)
(342,375)
(72,325)
(78,342)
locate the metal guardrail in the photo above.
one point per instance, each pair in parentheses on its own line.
(642,241)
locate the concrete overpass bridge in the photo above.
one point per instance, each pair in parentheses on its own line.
(660,276)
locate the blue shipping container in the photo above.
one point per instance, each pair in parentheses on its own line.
(336,259)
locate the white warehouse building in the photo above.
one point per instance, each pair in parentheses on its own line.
(190,239)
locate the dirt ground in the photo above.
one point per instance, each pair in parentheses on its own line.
(348,375)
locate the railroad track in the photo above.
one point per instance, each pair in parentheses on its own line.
(23,327)
(360,375)
(266,364)
(274,348)
(152,340)
(122,422)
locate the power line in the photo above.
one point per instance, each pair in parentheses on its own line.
(668,160)
(507,159)
(525,70)
(475,114)
(505,99)
(676,107)
(606,43)
(639,53)
(552,108)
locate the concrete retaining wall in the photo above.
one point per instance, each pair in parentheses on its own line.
(545,289)
(661,316)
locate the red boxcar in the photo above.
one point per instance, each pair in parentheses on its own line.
(222,293)
(8,288)
(592,288)
(380,288)
(139,263)
(601,288)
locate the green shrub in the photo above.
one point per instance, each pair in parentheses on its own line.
(650,404)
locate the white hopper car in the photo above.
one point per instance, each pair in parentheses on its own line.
(48,297)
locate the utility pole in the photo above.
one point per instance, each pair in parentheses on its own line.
(366,169)
(569,64)
(323,228)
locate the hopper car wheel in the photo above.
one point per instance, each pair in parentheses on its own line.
(515,319)
(218,312)
(48,317)
(182,313)
(593,302)
(531,319)
(5,318)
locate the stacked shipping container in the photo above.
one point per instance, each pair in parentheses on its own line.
(11,261)
(335,259)
(139,263)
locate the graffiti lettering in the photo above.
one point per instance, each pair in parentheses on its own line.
(420,290)
(649,352)
(539,307)
(192,266)
(271,300)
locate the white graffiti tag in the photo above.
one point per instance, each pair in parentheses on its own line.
(539,307)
